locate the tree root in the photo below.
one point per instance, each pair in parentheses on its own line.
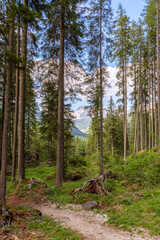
(95,185)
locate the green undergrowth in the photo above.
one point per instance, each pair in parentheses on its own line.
(51,229)
(36,227)
(133,198)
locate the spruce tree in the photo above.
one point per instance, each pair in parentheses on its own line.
(121,52)
(99,26)
(11,19)
(62,40)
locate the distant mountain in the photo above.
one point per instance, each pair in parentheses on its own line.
(77,132)
(82,120)
(81,113)
(47,71)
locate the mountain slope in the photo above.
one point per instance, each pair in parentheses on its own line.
(77,132)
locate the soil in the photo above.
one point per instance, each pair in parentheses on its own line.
(86,223)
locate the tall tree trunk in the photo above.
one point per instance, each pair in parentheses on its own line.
(158,78)
(16,106)
(60,139)
(101,95)
(137,119)
(155,106)
(152,110)
(21,125)
(149,108)
(145,120)
(135,112)
(28,132)
(125,103)
(141,92)
(7,109)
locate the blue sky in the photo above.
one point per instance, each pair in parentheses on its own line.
(133,10)
(133,7)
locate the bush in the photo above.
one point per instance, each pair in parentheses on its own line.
(144,168)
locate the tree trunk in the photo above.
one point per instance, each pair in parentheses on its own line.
(125,104)
(141,91)
(145,120)
(101,95)
(60,140)
(21,125)
(16,106)
(28,132)
(135,112)
(152,111)
(137,119)
(149,107)
(158,78)
(7,109)
(155,106)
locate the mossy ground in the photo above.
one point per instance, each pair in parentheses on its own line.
(132,201)
(28,225)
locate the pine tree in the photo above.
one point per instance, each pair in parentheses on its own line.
(11,19)
(99,24)
(121,52)
(158,77)
(113,131)
(21,126)
(63,33)
(16,103)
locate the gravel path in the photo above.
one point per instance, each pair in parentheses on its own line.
(89,224)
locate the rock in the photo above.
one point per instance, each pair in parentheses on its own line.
(29,186)
(37,181)
(89,205)
(32,181)
(74,176)
(6,215)
(32,159)
(117,208)
(44,185)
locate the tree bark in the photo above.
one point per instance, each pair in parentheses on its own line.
(125,103)
(135,112)
(137,119)
(60,140)
(16,106)
(152,111)
(158,78)
(101,95)
(22,84)
(141,91)
(7,109)
(155,106)
(149,106)
(145,121)
(28,132)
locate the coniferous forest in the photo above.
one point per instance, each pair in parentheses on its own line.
(53,53)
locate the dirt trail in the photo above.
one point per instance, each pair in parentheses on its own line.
(86,223)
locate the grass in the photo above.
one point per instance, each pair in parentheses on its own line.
(138,199)
(28,225)
(51,229)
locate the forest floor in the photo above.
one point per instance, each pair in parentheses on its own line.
(87,224)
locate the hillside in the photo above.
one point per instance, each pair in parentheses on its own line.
(77,132)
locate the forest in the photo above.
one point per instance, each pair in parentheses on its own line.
(53,53)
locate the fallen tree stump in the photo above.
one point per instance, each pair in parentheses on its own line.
(95,185)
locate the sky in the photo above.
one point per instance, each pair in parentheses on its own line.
(133,9)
